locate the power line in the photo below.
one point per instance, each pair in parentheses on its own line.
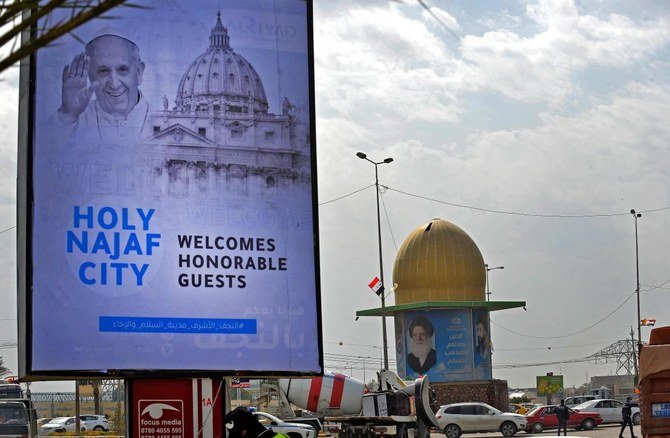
(7,229)
(569,334)
(515,213)
(549,347)
(660,286)
(540,364)
(344,196)
(341,343)
(386,213)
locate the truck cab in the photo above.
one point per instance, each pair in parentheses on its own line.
(10,391)
(14,419)
(655,384)
(602,392)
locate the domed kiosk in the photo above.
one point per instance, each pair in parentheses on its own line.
(441,316)
(439,262)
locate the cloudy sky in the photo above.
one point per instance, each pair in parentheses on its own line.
(540,109)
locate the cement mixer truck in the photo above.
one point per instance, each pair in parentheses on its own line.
(351,409)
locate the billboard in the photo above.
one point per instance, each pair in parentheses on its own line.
(547,385)
(168,193)
(444,345)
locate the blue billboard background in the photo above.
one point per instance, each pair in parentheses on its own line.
(179,235)
(452,342)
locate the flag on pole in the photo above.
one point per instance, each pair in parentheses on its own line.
(376,286)
(648,322)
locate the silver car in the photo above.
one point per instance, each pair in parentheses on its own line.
(458,418)
(61,424)
(609,409)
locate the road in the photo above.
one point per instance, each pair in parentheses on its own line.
(606,431)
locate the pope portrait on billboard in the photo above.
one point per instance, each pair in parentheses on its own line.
(100,89)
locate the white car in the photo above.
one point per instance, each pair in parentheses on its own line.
(609,409)
(95,422)
(61,424)
(458,418)
(293,430)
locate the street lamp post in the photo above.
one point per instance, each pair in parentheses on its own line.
(637,283)
(488,289)
(363,156)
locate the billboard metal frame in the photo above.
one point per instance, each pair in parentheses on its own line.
(25,268)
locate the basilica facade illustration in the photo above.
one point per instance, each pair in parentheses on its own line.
(220,140)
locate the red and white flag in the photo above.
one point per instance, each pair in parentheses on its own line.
(376,286)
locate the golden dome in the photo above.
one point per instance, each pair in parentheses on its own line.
(439,262)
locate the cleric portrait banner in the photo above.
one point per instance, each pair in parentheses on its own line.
(173,184)
(438,344)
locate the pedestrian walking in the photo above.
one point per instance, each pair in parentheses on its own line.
(626,419)
(562,415)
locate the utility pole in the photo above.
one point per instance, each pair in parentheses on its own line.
(636,216)
(636,378)
(363,156)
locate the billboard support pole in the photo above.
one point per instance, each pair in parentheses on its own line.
(77,408)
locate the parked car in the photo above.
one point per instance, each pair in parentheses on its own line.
(609,409)
(578,400)
(518,408)
(61,424)
(544,417)
(531,406)
(293,430)
(42,421)
(95,422)
(458,418)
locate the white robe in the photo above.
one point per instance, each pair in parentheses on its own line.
(95,127)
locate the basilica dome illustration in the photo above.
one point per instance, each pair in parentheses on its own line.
(220,139)
(220,78)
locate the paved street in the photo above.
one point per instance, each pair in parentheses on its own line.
(606,431)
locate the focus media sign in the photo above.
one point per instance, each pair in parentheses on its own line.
(168,194)
(177,408)
(160,418)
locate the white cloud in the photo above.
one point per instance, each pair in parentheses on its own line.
(377,60)
(540,68)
